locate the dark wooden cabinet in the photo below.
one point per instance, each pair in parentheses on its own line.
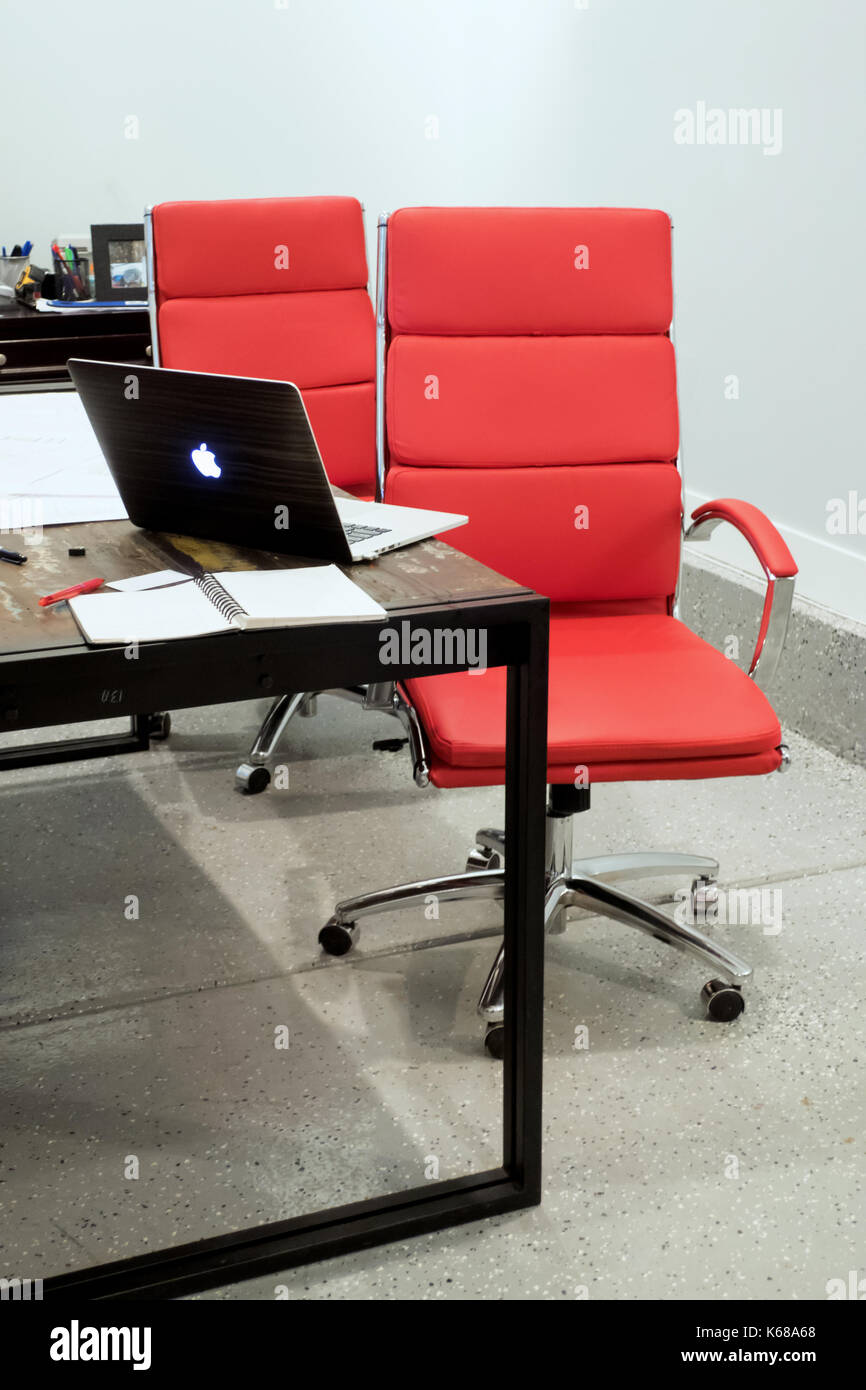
(35,347)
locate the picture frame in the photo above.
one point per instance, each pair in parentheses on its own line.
(119,261)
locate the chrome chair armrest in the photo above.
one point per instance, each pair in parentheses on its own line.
(778,601)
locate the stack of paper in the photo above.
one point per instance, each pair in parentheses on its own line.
(51,467)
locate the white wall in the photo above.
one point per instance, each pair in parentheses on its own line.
(538,101)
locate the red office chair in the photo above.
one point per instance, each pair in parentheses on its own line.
(274,287)
(530,382)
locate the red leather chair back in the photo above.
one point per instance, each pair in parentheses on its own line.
(276,287)
(531,383)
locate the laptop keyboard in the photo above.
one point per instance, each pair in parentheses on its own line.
(355,532)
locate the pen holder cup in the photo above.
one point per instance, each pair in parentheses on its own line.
(72,277)
(10,273)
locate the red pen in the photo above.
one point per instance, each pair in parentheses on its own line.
(86,588)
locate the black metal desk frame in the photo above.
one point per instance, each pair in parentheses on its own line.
(69,683)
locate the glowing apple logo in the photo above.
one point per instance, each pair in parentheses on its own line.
(206,462)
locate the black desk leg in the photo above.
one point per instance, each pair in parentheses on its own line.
(517,1183)
(143,727)
(526,777)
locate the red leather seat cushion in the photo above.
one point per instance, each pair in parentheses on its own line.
(623,690)
(504,402)
(522,523)
(512,270)
(234,246)
(344,423)
(312,339)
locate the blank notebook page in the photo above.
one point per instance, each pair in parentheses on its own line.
(155,615)
(314,594)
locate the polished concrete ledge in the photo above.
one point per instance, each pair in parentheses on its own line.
(820,686)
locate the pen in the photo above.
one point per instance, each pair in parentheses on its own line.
(86,588)
(12,556)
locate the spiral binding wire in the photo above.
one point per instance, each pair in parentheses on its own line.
(219,597)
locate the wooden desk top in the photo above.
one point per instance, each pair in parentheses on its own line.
(430,573)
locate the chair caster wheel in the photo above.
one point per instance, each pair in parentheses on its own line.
(494,1040)
(724,1002)
(481,858)
(159,726)
(252,780)
(704,900)
(337,938)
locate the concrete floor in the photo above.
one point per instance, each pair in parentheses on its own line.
(159,936)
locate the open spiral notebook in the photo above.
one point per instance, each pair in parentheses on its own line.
(231,600)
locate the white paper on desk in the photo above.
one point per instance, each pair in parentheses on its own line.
(82,306)
(160,579)
(50,460)
(68,511)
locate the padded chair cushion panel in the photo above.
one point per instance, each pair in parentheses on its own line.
(510,402)
(344,423)
(234,246)
(512,270)
(623,691)
(522,524)
(659,770)
(315,339)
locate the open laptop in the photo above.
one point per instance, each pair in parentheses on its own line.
(235,459)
